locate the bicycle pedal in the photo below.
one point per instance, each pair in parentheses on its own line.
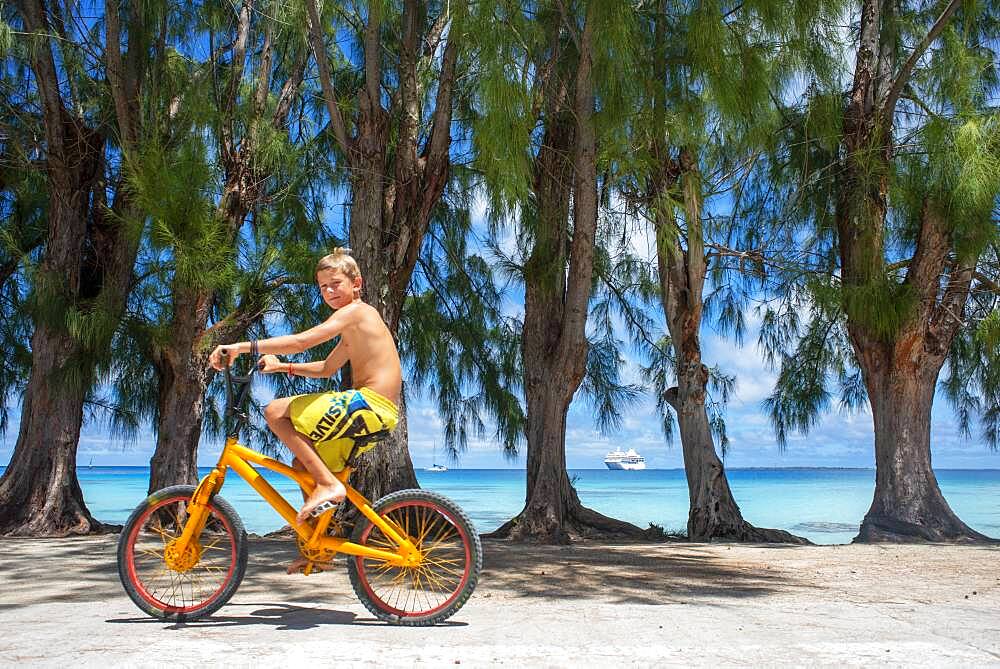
(322,508)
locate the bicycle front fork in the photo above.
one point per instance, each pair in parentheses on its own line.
(197,509)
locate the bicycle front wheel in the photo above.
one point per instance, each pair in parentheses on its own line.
(429,592)
(174,586)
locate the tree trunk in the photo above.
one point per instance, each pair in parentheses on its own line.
(388,467)
(553,513)
(900,362)
(713,513)
(182,408)
(39,491)
(557,295)
(40,495)
(908,505)
(183,378)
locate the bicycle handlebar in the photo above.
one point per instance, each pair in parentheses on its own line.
(234,408)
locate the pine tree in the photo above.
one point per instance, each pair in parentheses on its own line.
(225,157)
(710,75)
(396,149)
(562,66)
(78,289)
(898,180)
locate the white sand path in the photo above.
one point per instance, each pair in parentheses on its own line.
(61,605)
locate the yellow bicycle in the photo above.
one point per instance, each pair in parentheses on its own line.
(413,559)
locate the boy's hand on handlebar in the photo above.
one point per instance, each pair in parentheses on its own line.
(269,364)
(222,357)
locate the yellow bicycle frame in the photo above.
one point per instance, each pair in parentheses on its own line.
(238,458)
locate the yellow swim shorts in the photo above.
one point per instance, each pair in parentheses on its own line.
(333,420)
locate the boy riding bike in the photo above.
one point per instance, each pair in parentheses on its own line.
(320,428)
(413,557)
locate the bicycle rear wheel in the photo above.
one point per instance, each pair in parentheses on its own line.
(198,583)
(440,585)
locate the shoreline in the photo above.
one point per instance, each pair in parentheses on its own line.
(674,603)
(825,506)
(455,468)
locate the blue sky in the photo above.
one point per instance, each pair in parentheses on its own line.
(837,441)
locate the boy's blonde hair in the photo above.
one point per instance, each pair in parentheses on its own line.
(340,259)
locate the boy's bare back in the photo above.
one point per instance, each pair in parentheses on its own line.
(369,345)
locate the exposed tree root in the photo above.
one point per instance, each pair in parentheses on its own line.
(578,522)
(883,529)
(43,526)
(744,532)
(722,521)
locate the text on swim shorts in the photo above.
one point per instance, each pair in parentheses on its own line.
(341,406)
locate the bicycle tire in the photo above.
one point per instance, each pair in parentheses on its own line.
(437,513)
(232,557)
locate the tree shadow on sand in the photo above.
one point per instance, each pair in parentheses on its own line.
(84,570)
(628,573)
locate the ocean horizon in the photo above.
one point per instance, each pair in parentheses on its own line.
(823,504)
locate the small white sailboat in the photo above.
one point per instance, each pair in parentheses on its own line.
(435,467)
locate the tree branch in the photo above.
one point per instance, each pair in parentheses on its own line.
(115,69)
(329,93)
(373,55)
(440,139)
(237,64)
(986,281)
(409,95)
(584,206)
(434,34)
(263,72)
(889,106)
(288,92)
(46,77)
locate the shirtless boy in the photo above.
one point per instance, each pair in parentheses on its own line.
(319,428)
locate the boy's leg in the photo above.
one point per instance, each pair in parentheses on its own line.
(298,466)
(300,563)
(328,488)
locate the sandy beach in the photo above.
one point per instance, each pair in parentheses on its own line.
(584,605)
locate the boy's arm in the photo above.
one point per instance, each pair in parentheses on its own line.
(320,369)
(286,344)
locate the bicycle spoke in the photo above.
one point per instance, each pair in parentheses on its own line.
(212,561)
(439,576)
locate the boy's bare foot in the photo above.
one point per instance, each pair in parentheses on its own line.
(334,493)
(299,565)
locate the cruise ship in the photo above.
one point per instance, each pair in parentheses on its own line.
(629,459)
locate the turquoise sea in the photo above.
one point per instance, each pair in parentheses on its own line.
(824,505)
